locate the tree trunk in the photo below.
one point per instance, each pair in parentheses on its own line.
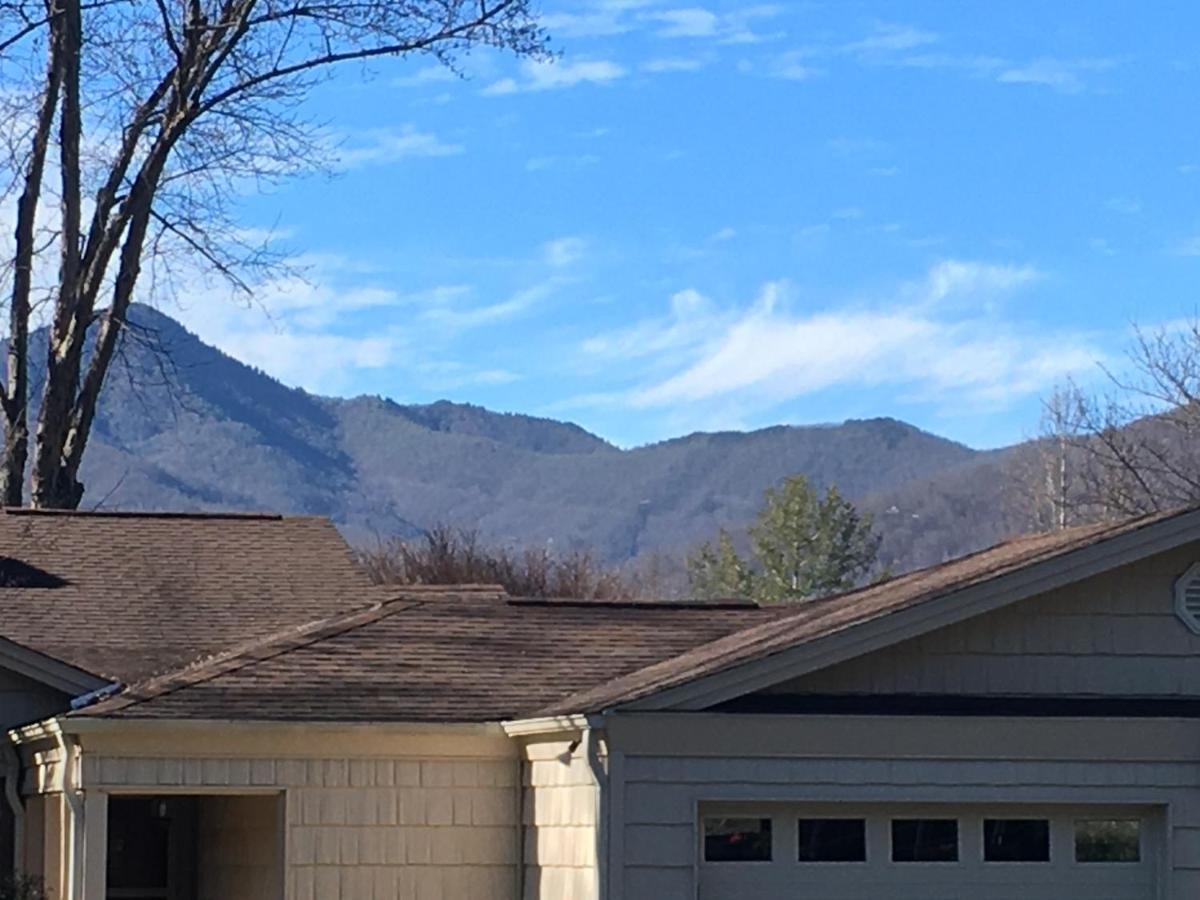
(15,400)
(54,486)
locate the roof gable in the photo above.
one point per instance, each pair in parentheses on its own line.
(826,632)
(125,595)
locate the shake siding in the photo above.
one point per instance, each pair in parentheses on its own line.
(1113,634)
(663,790)
(238,841)
(560,818)
(357,827)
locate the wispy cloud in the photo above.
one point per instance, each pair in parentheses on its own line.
(888,37)
(1066,76)
(736,26)
(377,146)
(925,341)
(674,64)
(564,252)
(458,317)
(900,45)
(543,163)
(549,75)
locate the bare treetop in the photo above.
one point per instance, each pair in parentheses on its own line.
(161,113)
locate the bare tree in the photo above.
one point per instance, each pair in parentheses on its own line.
(1130,449)
(1140,441)
(1044,475)
(130,125)
(445,555)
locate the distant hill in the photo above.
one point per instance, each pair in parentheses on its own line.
(208,432)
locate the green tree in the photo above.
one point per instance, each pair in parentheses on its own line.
(717,572)
(805,545)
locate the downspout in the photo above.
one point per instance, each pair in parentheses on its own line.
(591,746)
(12,792)
(522,796)
(73,843)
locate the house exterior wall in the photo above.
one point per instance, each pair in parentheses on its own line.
(560,818)
(238,840)
(671,764)
(375,812)
(1114,634)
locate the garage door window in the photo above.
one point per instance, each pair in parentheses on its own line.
(832,840)
(1108,840)
(1016,840)
(737,840)
(924,840)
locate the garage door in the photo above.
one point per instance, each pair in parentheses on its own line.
(839,852)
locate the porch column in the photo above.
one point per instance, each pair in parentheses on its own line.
(95,845)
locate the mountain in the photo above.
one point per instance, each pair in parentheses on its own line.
(183,426)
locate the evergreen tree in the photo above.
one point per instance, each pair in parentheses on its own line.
(804,546)
(718,572)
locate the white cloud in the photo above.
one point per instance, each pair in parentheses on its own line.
(564,252)
(689,22)
(795,65)
(695,22)
(435,74)
(673,64)
(548,75)
(597,18)
(934,339)
(1188,246)
(378,146)
(725,234)
(542,163)
(456,317)
(1063,75)
(891,38)
(956,278)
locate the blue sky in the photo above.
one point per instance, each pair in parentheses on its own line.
(735,215)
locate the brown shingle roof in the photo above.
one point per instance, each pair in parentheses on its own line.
(822,618)
(127,595)
(450,654)
(471,654)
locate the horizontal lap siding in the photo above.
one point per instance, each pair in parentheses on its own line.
(425,829)
(661,793)
(1116,633)
(561,806)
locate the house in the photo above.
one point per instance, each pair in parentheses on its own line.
(1019,723)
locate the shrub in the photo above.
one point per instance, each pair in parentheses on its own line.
(446,555)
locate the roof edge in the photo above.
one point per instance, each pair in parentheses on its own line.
(147,514)
(1122,544)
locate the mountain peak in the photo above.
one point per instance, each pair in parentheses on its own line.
(206,432)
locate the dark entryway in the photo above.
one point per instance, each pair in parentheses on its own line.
(194,848)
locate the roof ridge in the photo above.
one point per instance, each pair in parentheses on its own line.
(249,653)
(742,644)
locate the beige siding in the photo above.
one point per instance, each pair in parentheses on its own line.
(424,819)
(1116,633)
(239,840)
(560,816)
(24,700)
(671,767)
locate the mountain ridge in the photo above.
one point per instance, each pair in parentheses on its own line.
(166,432)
